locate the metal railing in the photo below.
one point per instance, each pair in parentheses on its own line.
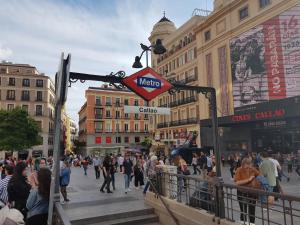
(175,123)
(59,215)
(234,203)
(183,101)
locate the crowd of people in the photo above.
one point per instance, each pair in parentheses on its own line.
(24,191)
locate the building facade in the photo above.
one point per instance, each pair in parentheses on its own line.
(249,51)
(104,125)
(21,85)
(178,63)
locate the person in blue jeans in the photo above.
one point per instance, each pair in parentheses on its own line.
(127,171)
(65,174)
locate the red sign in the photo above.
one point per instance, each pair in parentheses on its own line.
(108,140)
(98,140)
(259,115)
(147,83)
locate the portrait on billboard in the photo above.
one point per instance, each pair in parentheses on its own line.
(266,60)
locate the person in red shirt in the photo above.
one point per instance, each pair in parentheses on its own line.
(85,164)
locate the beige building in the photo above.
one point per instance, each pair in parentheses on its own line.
(178,63)
(248,50)
(21,85)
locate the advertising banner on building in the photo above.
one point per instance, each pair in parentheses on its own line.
(266,60)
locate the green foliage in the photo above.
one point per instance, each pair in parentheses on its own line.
(147,142)
(18,131)
(78,146)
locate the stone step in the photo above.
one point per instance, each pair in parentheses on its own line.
(136,220)
(115,215)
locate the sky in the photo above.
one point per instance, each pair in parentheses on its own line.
(102,36)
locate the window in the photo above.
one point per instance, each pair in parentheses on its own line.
(10,106)
(126,102)
(39,96)
(126,115)
(98,113)
(11,81)
(25,108)
(26,83)
(146,116)
(190,56)
(38,110)
(10,95)
(126,139)
(108,101)
(136,102)
(207,35)
(117,127)
(118,101)
(107,114)
(50,140)
(25,96)
(98,100)
(136,127)
(126,127)
(146,103)
(136,116)
(264,3)
(137,139)
(118,139)
(108,127)
(98,126)
(118,114)
(243,13)
(146,127)
(39,83)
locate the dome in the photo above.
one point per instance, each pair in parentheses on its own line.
(162,28)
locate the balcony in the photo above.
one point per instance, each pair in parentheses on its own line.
(38,113)
(189,79)
(25,98)
(183,101)
(98,104)
(175,123)
(98,130)
(164,105)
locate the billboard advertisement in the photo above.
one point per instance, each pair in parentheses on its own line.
(266,60)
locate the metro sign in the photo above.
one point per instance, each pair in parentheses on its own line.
(147,83)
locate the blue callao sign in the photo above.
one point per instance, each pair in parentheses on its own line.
(148,82)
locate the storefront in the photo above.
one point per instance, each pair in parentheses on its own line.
(274,125)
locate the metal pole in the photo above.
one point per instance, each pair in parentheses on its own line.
(147,58)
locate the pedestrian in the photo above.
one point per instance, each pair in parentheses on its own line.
(65,174)
(202,163)
(223,160)
(289,164)
(267,169)
(97,163)
(38,164)
(85,164)
(150,171)
(298,163)
(9,170)
(120,162)
(195,163)
(38,200)
(18,188)
(127,171)
(113,170)
(244,176)
(208,163)
(138,175)
(107,164)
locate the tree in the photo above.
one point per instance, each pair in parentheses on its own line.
(146,143)
(78,146)
(18,131)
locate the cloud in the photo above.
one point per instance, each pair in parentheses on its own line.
(102,36)
(5,53)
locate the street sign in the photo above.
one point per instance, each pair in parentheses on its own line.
(147,110)
(147,83)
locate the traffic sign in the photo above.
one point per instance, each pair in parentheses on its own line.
(147,83)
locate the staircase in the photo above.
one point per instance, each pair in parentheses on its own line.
(125,210)
(138,217)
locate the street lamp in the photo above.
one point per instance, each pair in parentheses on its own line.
(157,48)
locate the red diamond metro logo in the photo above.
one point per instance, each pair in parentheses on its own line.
(147,83)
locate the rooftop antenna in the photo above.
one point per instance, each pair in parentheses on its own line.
(164,13)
